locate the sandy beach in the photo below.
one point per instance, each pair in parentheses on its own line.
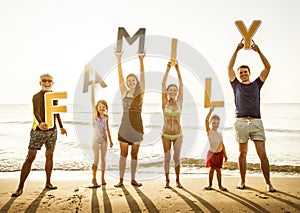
(73,195)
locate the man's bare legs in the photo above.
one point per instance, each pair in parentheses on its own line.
(264,163)
(243,149)
(25,171)
(49,167)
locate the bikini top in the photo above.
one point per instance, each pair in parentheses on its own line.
(171,113)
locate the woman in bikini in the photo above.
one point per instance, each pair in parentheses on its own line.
(131,128)
(172,98)
(101,133)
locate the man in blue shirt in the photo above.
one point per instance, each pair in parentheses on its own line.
(248,124)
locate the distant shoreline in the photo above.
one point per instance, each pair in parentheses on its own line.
(203,172)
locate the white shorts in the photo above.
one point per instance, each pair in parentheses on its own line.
(246,129)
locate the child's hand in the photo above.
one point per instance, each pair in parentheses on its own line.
(111,144)
(225,158)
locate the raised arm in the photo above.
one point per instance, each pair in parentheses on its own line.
(180,92)
(267,67)
(231,73)
(142,78)
(120,73)
(207,119)
(93,100)
(164,87)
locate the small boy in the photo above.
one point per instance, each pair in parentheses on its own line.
(216,151)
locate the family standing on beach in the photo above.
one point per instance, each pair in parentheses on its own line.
(248,125)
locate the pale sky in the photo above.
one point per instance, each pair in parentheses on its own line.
(61,36)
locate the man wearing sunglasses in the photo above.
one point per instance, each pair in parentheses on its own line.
(41,134)
(248,124)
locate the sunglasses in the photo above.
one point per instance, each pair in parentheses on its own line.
(47,80)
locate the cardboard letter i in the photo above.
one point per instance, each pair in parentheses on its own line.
(173,51)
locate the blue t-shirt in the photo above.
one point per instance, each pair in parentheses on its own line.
(247,98)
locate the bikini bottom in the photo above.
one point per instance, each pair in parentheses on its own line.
(172,137)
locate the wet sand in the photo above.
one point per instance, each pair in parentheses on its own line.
(73,195)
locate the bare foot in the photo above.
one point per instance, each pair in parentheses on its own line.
(222,188)
(94,184)
(167,186)
(270,188)
(50,186)
(207,188)
(120,184)
(241,186)
(178,184)
(17,193)
(135,183)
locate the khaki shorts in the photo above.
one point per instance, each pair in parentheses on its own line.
(246,129)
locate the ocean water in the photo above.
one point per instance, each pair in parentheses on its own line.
(72,153)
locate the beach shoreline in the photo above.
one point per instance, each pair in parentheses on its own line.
(73,195)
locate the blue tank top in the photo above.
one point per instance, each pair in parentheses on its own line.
(247,98)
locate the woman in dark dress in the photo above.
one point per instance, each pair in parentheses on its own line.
(131,129)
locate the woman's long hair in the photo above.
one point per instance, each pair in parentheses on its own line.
(137,95)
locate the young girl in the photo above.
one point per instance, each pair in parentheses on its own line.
(101,132)
(216,151)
